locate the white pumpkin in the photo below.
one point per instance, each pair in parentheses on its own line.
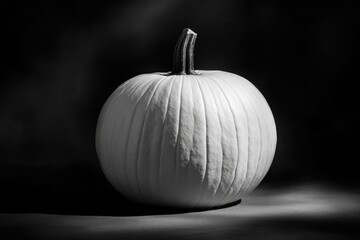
(194,139)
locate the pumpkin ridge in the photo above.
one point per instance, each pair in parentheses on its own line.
(250,88)
(246,159)
(269,155)
(189,163)
(270,125)
(265,110)
(243,186)
(265,156)
(260,135)
(150,154)
(237,137)
(110,102)
(196,162)
(136,163)
(206,143)
(162,137)
(116,163)
(204,202)
(132,88)
(178,132)
(248,134)
(244,93)
(221,141)
(236,133)
(260,152)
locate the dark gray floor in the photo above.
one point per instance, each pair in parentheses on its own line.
(299,212)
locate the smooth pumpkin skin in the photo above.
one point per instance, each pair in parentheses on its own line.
(194,141)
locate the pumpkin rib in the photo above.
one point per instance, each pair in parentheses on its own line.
(237,137)
(129,130)
(260,153)
(264,136)
(206,144)
(265,158)
(229,194)
(268,115)
(271,136)
(245,94)
(221,113)
(185,141)
(221,140)
(260,137)
(250,153)
(161,158)
(124,162)
(178,132)
(132,90)
(150,154)
(140,138)
(108,104)
(169,143)
(226,194)
(210,171)
(246,113)
(250,87)
(252,139)
(248,135)
(190,98)
(196,170)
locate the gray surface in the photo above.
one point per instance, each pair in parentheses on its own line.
(299,212)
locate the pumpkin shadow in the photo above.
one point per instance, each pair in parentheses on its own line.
(112,204)
(79,192)
(120,206)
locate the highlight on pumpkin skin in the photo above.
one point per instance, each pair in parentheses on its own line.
(186,140)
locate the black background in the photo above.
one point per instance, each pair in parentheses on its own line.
(62,59)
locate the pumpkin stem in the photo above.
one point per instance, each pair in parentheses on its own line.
(183,61)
